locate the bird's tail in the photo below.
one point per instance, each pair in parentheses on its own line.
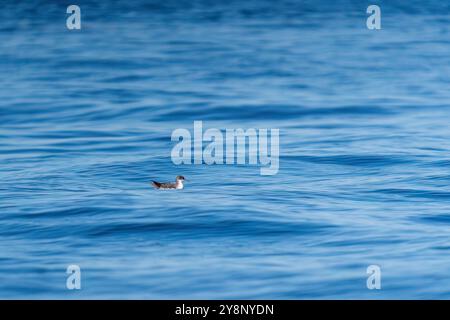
(157,185)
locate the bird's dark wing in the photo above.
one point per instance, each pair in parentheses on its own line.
(167,185)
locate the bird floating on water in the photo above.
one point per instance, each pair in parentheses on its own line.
(178,184)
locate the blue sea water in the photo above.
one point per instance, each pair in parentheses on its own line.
(85,124)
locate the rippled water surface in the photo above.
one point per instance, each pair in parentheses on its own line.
(86,119)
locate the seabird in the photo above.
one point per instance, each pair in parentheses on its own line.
(178,184)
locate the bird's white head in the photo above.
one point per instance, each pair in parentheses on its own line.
(180,180)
